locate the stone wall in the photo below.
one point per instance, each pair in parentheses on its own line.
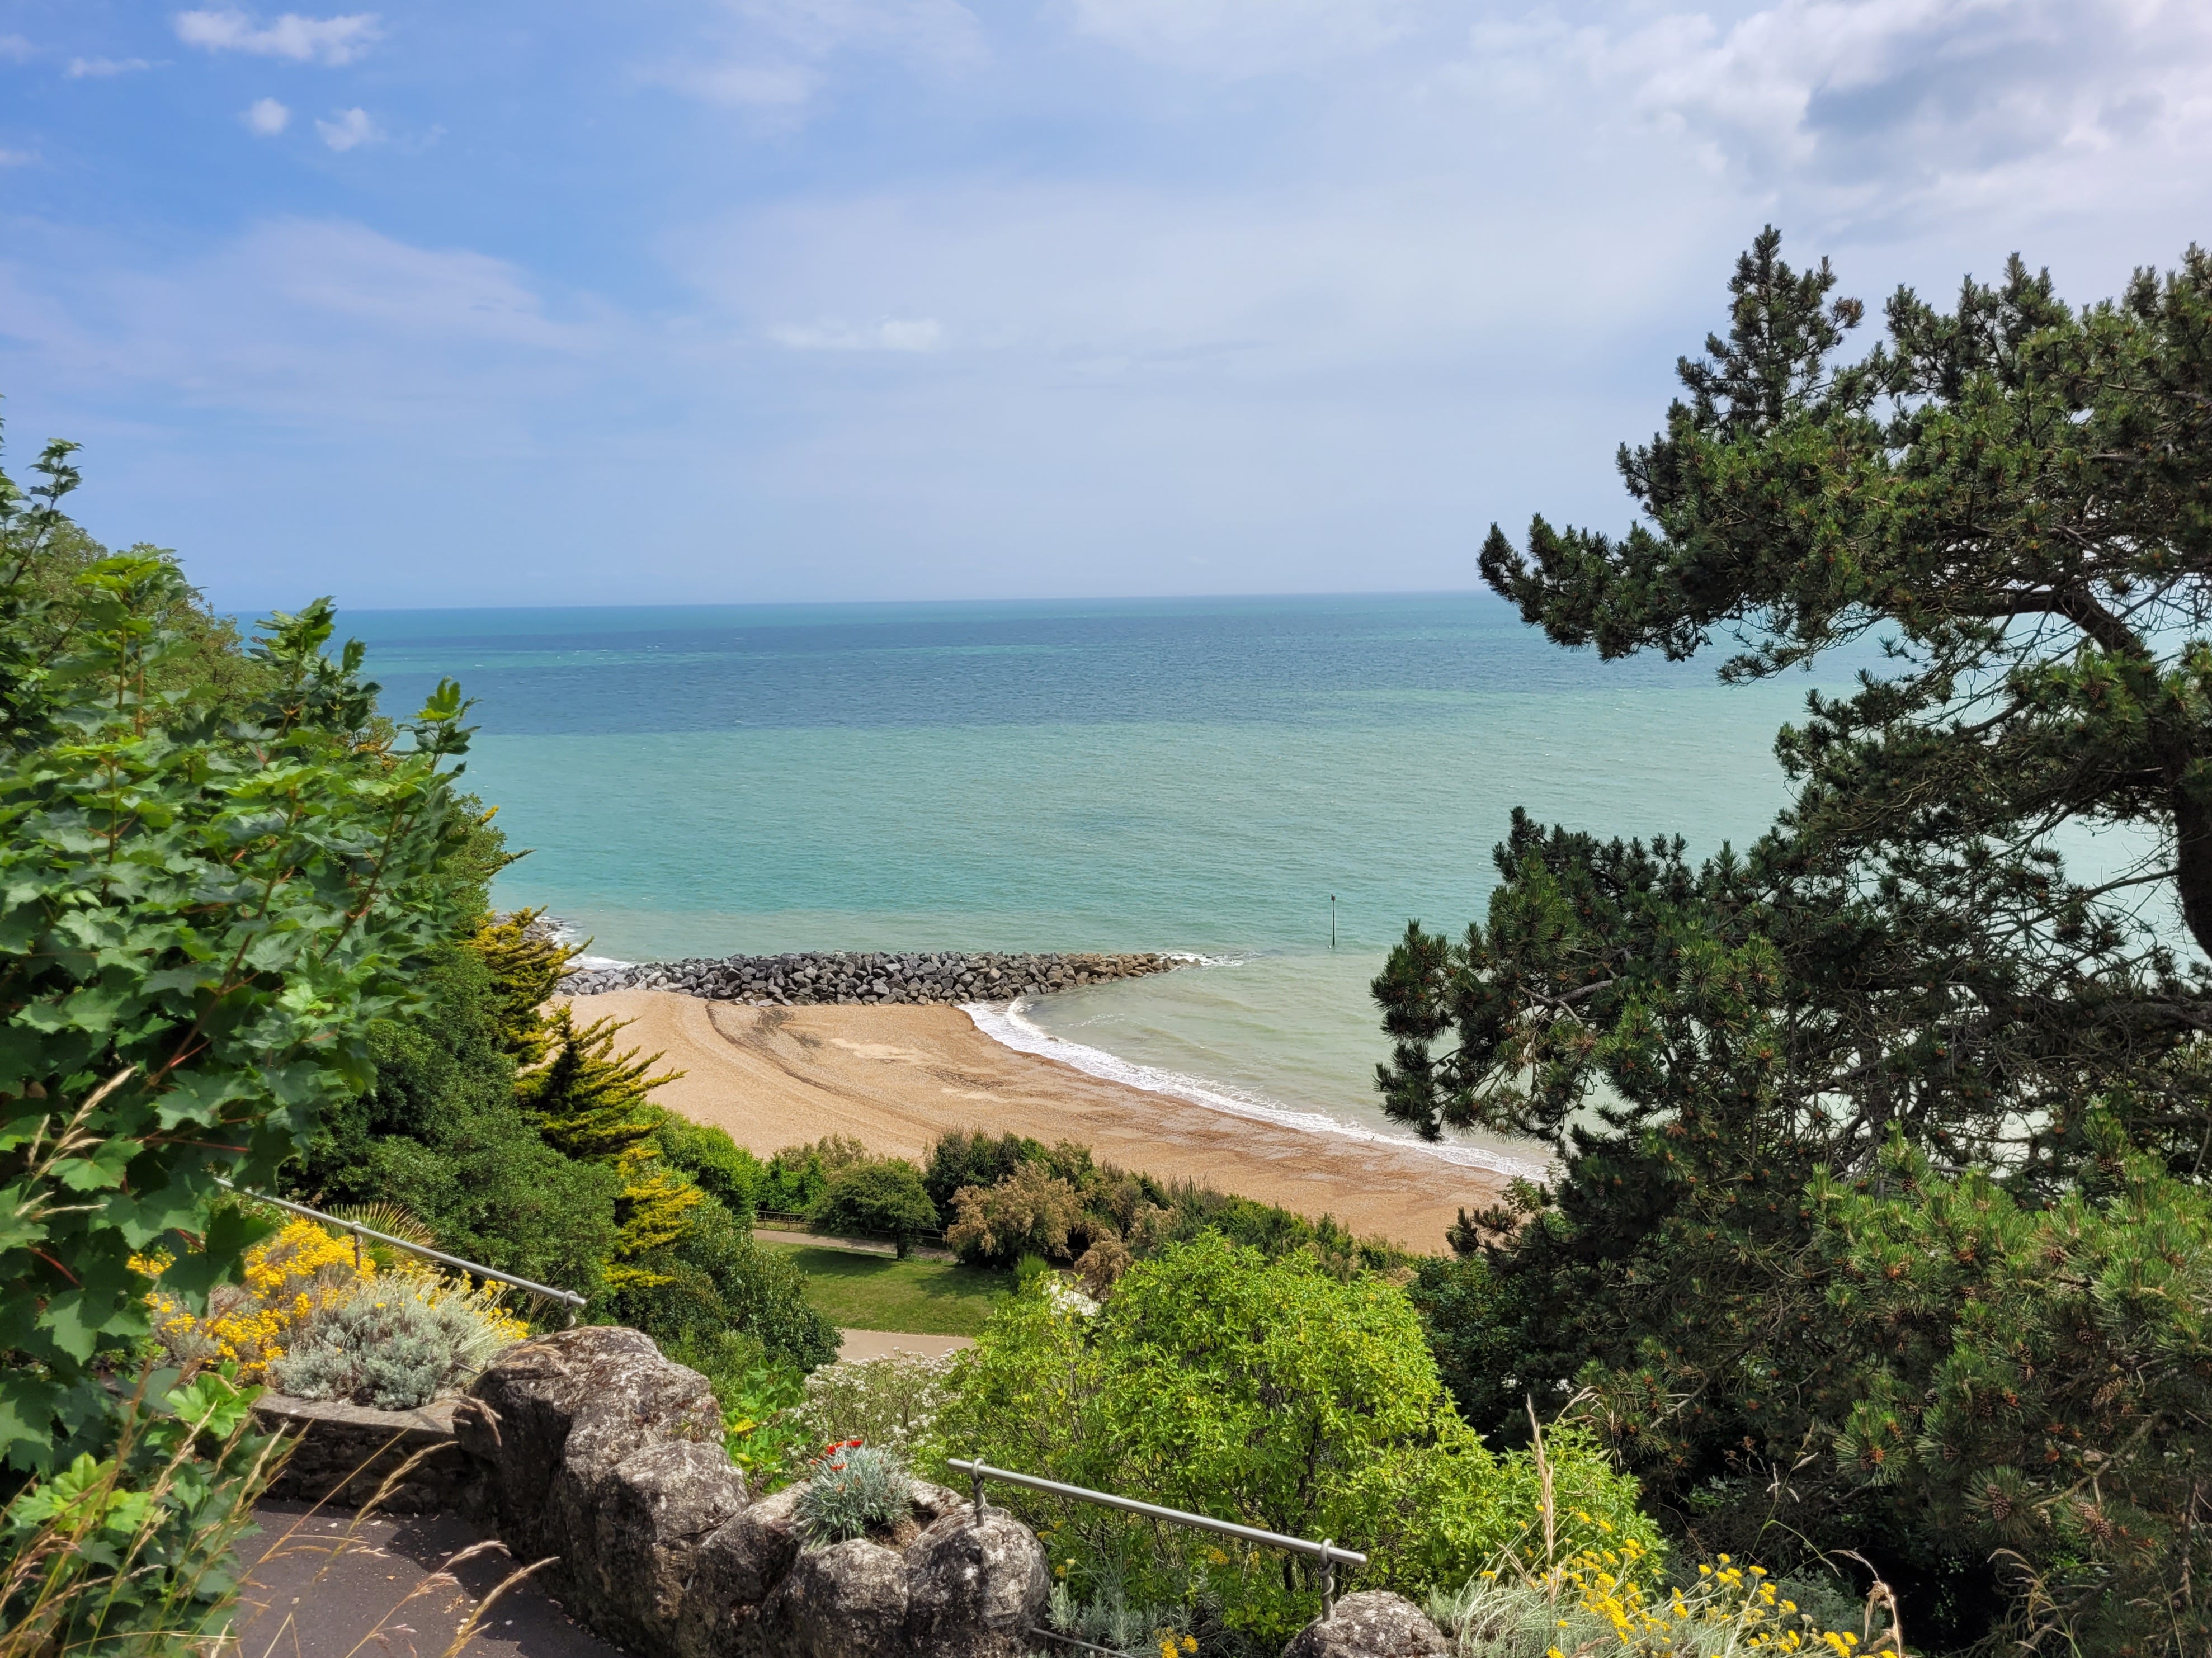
(593,1449)
(799,980)
(344,1453)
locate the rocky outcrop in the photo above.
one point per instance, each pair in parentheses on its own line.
(799,980)
(595,1449)
(975,1589)
(1374,1624)
(592,1446)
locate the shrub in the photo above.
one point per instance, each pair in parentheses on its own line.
(394,1343)
(1606,1602)
(974,1158)
(851,1489)
(133,1552)
(205,911)
(716,1278)
(883,1197)
(890,1402)
(1030,1211)
(288,1278)
(723,1169)
(798,1175)
(1272,1393)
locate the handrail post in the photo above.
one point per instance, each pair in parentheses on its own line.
(1327,1578)
(976,1471)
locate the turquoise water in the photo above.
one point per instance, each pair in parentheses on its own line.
(1194,775)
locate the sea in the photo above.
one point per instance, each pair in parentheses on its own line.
(1273,786)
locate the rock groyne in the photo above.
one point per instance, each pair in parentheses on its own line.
(847,978)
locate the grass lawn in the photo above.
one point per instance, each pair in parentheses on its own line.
(914,1297)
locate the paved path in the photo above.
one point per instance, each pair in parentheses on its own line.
(877,1344)
(326,1586)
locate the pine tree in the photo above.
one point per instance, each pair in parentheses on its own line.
(594,1105)
(2015,499)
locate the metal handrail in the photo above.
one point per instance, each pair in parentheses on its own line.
(359,1231)
(1325,1551)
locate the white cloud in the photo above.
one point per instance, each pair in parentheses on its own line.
(96,67)
(744,85)
(352,127)
(1248,37)
(16,157)
(767,54)
(266,117)
(330,40)
(894,334)
(1892,105)
(16,49)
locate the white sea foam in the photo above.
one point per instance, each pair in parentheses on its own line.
(1005,1025)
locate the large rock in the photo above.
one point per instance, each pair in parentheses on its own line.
(1373,1624)
(975,1589)
(848,1600)
(732,1571)
(651,1514)
(554,1424)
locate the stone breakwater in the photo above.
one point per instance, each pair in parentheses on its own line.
(856,980)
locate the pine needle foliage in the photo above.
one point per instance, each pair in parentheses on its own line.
(594,1104)
(2010,500)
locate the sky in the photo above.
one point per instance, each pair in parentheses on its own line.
(735,300)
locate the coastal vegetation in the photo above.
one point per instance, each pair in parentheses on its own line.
(1880,1220)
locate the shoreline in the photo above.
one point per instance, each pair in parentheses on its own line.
(1008,1027)
(895,1077)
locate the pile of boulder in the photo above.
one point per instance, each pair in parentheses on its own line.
(797,981)
(596,1452)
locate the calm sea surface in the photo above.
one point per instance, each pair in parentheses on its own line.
(1195,775)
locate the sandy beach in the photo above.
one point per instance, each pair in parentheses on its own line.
(895,1078)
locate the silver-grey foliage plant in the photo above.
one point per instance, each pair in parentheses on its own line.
(387,1345)
(850,1490)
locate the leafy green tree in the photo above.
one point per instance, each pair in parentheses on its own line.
(202,917)
(2014,500)
(1270,1392)
(440,1133)
(882,1197)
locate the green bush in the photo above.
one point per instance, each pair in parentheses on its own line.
(971,1158)
(392,1342)
(878,1198)
(714,1278)
(722,1169)
(1271,1393)
(798,1175)
(441,1134)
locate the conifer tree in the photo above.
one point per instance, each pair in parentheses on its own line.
(2013,499)
(592,1103)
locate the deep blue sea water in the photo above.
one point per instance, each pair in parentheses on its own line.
(1186,775)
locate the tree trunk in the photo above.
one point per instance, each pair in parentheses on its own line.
(2192,835)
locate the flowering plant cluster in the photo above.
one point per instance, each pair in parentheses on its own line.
(1729,1609)
(291,1281)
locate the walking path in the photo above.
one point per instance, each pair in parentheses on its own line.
(327,1585)
(881,1344)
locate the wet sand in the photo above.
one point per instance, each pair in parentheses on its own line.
(895,1078)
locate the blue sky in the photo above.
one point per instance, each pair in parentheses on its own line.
(765,300)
